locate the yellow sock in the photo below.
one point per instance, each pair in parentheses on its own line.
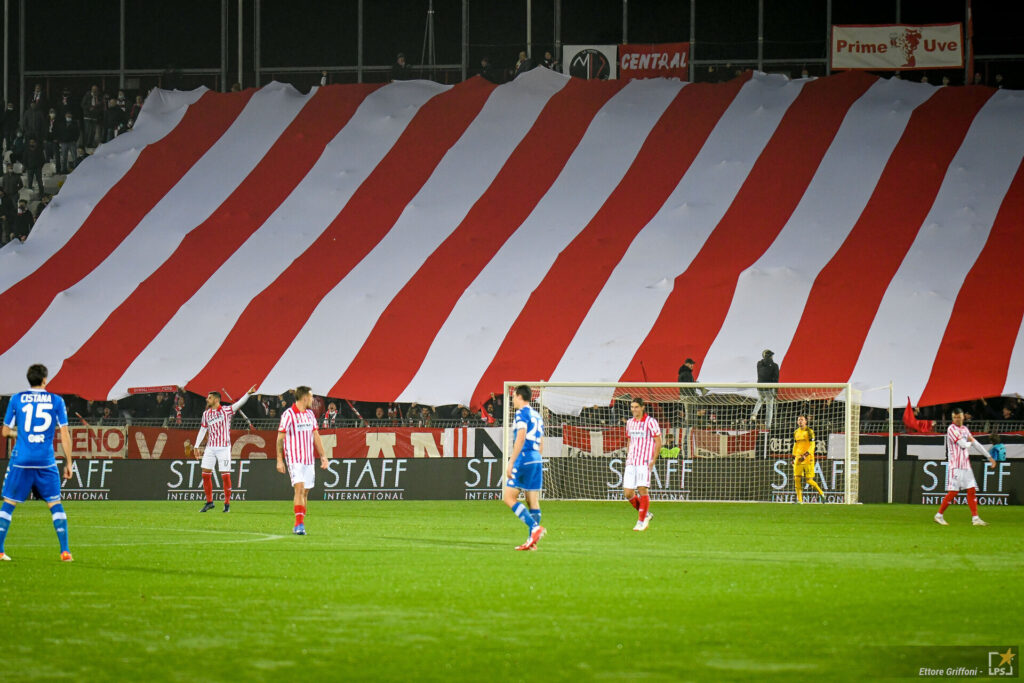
(799,490)
(815,485)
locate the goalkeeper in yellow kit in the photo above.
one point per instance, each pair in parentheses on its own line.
(803,459)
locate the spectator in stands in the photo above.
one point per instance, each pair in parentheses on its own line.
(34,160)
(18,148)
(10,125)
(999,81)
(65,105)
(38,98)
(379,418)
(115,119)
(23,221)
(945,80)
(7,211)
(549,62)
(767,373)
(67,153)
(236,87)
(136,110)
(33,122)
(11,181)
(977,79)
(44,202)
(488,72)
(523,64)
(178,414)
(52,136)
(997,450)
(425,417)
(332,419)
(92,116)
(400,71)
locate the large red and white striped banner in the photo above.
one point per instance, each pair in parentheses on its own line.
(421,242)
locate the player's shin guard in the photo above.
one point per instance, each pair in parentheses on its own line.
(6,510)
(645,505)
(523,513)
(60,525)
(535,513)
(950,495)
(300,514)
(225,479)
(208,486)
(972,501)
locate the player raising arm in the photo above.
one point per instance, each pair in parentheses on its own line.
(525,469)
(803,459)
(644,446)
(296,438)
(35,414)
(958,471)
(217,419)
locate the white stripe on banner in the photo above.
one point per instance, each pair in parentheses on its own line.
(770,295)
(639,285)
(463,175)
(487,309)
(195,332)
(907,330)
(97,175)
(1015,373)
(79,310)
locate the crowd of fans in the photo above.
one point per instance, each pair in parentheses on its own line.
(50,139)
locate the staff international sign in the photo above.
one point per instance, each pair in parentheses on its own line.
(895,47)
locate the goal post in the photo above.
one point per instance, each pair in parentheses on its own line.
(721,442)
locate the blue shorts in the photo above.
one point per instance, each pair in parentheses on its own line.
(527,473)
(20,481)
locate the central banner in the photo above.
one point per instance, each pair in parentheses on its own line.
(668,60)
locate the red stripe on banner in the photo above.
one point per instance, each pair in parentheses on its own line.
(878,243)
(987,314)
(104,358)
(697,307)
(579,273)
(276,315)
(394,350)
(159,167)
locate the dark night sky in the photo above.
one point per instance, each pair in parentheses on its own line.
(83,34)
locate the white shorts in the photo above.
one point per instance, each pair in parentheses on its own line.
(302,474)
(217,455)
(636,476)
(961,480)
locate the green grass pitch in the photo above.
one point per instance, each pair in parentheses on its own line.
(434,591)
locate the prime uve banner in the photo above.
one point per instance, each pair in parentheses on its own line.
(895,47)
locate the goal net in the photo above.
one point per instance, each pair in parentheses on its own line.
(720,442)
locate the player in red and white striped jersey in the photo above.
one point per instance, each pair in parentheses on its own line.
(217,422)
(644,446)
(958,469)
(297,437)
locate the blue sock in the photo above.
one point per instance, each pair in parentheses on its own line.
(523,513)
(60,523)
(5,522)
(535,513)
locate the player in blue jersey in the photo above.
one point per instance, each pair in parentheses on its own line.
(525,472)
(35,415)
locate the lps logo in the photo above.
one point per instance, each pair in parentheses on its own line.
(186,482)
(1001,663)
(88,480)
